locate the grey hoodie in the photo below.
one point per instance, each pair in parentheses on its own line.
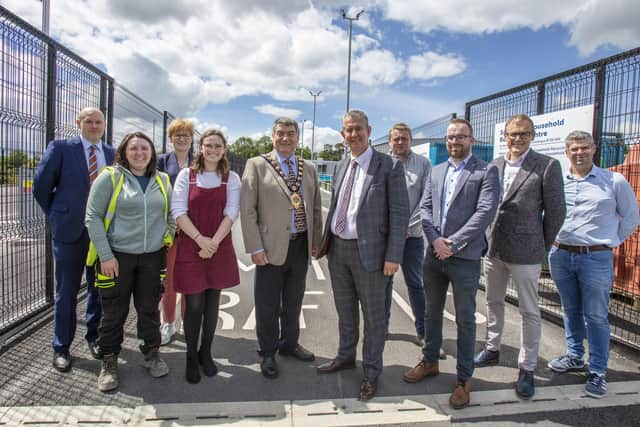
(139,224)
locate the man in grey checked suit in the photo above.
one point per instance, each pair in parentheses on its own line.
(530,214)
(364,238)
(459,203)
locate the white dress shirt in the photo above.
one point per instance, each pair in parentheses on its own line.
(350,227)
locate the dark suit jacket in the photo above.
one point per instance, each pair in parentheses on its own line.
(383,214)
(169,164)
(61,186)
(531,213)
(472,207)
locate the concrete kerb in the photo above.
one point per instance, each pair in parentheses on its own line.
(382,410)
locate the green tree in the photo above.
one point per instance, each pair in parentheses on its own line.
(248,147)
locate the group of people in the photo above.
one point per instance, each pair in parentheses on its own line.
(147,215)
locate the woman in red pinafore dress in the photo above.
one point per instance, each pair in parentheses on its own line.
(205,203)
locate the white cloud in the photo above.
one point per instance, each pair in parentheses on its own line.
(432,65)
(376,68)
(278,111)
(592,23)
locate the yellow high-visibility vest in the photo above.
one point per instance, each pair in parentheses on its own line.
(92,255)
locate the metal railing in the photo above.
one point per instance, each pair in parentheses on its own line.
(43,86)
(612,85)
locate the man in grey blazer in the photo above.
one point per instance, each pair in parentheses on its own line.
(364,238)
(530,214)
(459,203)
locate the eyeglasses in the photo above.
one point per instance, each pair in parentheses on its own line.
(458,138)
(515,135)
(181,136)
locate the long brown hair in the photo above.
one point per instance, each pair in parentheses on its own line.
(223,164)
(121,156)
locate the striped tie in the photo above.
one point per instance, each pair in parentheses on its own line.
(93,164)
(299,217)
(341,219)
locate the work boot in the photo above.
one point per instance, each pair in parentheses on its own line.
(108,378)
(157,367)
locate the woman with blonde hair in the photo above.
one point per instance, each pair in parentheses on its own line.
(181,137)
(206,202)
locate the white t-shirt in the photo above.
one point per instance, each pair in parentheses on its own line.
(180,198)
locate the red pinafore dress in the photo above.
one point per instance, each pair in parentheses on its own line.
(193,274)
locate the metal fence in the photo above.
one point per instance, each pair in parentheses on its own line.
(43,86)
(612,85)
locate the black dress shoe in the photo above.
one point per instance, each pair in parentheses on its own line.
(62,361)
(95,350)
(269,367)
(299,353)
(335,365)
(368,389)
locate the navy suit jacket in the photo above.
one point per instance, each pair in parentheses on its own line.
(169,164)
(61,186)
(383,213)
(472,208)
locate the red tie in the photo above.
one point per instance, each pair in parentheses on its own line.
(93,164)
(341,219)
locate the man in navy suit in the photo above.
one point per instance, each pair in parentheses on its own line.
(460,201)
(61,188)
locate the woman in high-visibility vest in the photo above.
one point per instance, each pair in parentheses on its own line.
(181,136)
(129,224)
(205,204)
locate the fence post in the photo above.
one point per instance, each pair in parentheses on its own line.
(598,108)
(110,102)
(540,98)
(50,135)
(165,119)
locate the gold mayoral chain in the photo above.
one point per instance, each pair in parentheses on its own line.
(292,185)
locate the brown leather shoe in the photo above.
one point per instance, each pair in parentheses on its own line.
(421,371)
(460,397)
(368,389)
(335,365)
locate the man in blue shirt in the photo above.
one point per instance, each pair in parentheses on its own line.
(602,211)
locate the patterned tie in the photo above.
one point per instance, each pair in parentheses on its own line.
(299,217)
(341,219)
(93,164)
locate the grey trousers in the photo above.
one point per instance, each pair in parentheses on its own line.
(352,284)
(525,278)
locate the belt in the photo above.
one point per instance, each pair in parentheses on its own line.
(581,249)
(295,236)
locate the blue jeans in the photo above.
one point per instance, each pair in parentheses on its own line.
(463,275)
(584,283)
(412,271)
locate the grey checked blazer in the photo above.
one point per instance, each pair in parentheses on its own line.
(531,213)
(383,214)
(473,207)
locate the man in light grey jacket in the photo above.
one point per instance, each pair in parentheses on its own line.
(530,214)
(416,172)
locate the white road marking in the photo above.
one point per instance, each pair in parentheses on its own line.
(228,322)
(303,324)
(246,267)
(325,209)
(250,324)
(326,191)
(318,270)
(314,292)
(480,318)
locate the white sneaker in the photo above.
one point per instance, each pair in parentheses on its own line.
(167,331)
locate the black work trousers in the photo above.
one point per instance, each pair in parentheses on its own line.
(139,275)
(278,293)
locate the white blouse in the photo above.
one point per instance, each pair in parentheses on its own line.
(180,198)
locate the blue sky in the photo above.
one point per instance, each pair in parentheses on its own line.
(235,65)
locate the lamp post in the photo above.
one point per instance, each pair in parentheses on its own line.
(350,19)
(302,139)
(313,128)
